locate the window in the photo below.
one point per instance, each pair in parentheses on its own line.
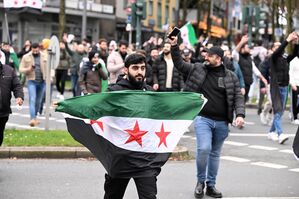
(150,8)
(166,14)
(159,15)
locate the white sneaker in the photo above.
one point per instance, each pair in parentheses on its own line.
(296,122)
(282,138)
(273,136)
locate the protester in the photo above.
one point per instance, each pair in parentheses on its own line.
(115,61)
(279,81)
(62,70)
(133,80)
(91,74)
(165,76)
(294,82)
(9,82)
(76,58)
(33,65)
(221,87)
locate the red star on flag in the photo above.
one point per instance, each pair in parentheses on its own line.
(162,135)
(16,2)
(33,3)
(99,123)
(24,2)
(135,134)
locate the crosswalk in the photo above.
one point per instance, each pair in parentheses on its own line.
(259,149)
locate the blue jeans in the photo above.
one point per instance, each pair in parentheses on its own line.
(36,92)
(210,136)
(276,124)
(75,85)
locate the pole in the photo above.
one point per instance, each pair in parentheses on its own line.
(84,19)
(48,87)
(138,32)
(7,27)
(130,36)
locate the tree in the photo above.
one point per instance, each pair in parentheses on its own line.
(61,19)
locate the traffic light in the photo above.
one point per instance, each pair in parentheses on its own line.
(138,9)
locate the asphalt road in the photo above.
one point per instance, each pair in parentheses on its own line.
(251,166)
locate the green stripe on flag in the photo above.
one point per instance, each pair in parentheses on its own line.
(191,34)
(153,105)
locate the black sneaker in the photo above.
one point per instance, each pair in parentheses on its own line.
(213,192)
(198,192)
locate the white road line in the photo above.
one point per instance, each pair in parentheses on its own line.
(262,198)
(287,151)
(266,148)
(255,135)
(269,165)
(294,170)
(28,116)
(19,126)
(234,159)
(249,123)
(186,136)
(235,143)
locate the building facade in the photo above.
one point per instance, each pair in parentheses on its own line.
(35,27)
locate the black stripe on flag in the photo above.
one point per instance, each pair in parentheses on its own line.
(296,144)
(118,162)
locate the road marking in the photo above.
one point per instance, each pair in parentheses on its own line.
(186,136)
(28,116)
(235,143)
(266,148)
(20,126)
(255,135)
(294,170)
(287,151)
(269,165)
(235,159)
(262,198)
(249,123)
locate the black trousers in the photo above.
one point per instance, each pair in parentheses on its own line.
(3,121)
(295,108)
(61,76)
(115,187)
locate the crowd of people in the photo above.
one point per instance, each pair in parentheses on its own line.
(226,76)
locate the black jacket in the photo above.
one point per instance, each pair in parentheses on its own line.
(9,82)
(160,72)
(124,84)
(196,74)
(245,62)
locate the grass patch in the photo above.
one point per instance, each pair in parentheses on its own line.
(13,137)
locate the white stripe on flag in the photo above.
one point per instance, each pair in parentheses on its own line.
(116,130)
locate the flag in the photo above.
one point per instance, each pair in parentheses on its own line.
(132,133)
(296,145)
(33,6)
(188,35)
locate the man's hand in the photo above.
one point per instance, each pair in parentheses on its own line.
(173,40)
(244,39)
(156,87)
(263,90)
(243,91)
(294,87)
(19,101)
(292,36)
(239,122)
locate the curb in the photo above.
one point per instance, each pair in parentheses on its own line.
(180,152)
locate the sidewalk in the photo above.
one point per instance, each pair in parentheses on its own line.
(180,152)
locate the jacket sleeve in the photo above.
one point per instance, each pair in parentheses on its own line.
(155,73)
(112,66)
(238,98)
(102,73)
(239,74)
(17,87)
(178,62)
(23,68)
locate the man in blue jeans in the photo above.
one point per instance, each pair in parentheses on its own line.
(34,65)
(278,64)
(222,89)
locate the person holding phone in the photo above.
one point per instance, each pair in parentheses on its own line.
(222,89)
(33,65)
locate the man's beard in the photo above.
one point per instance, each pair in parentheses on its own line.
(123,55)
(35,54)
(134,82)
(166,53)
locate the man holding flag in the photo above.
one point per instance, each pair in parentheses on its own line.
(222,89)
(131,132)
